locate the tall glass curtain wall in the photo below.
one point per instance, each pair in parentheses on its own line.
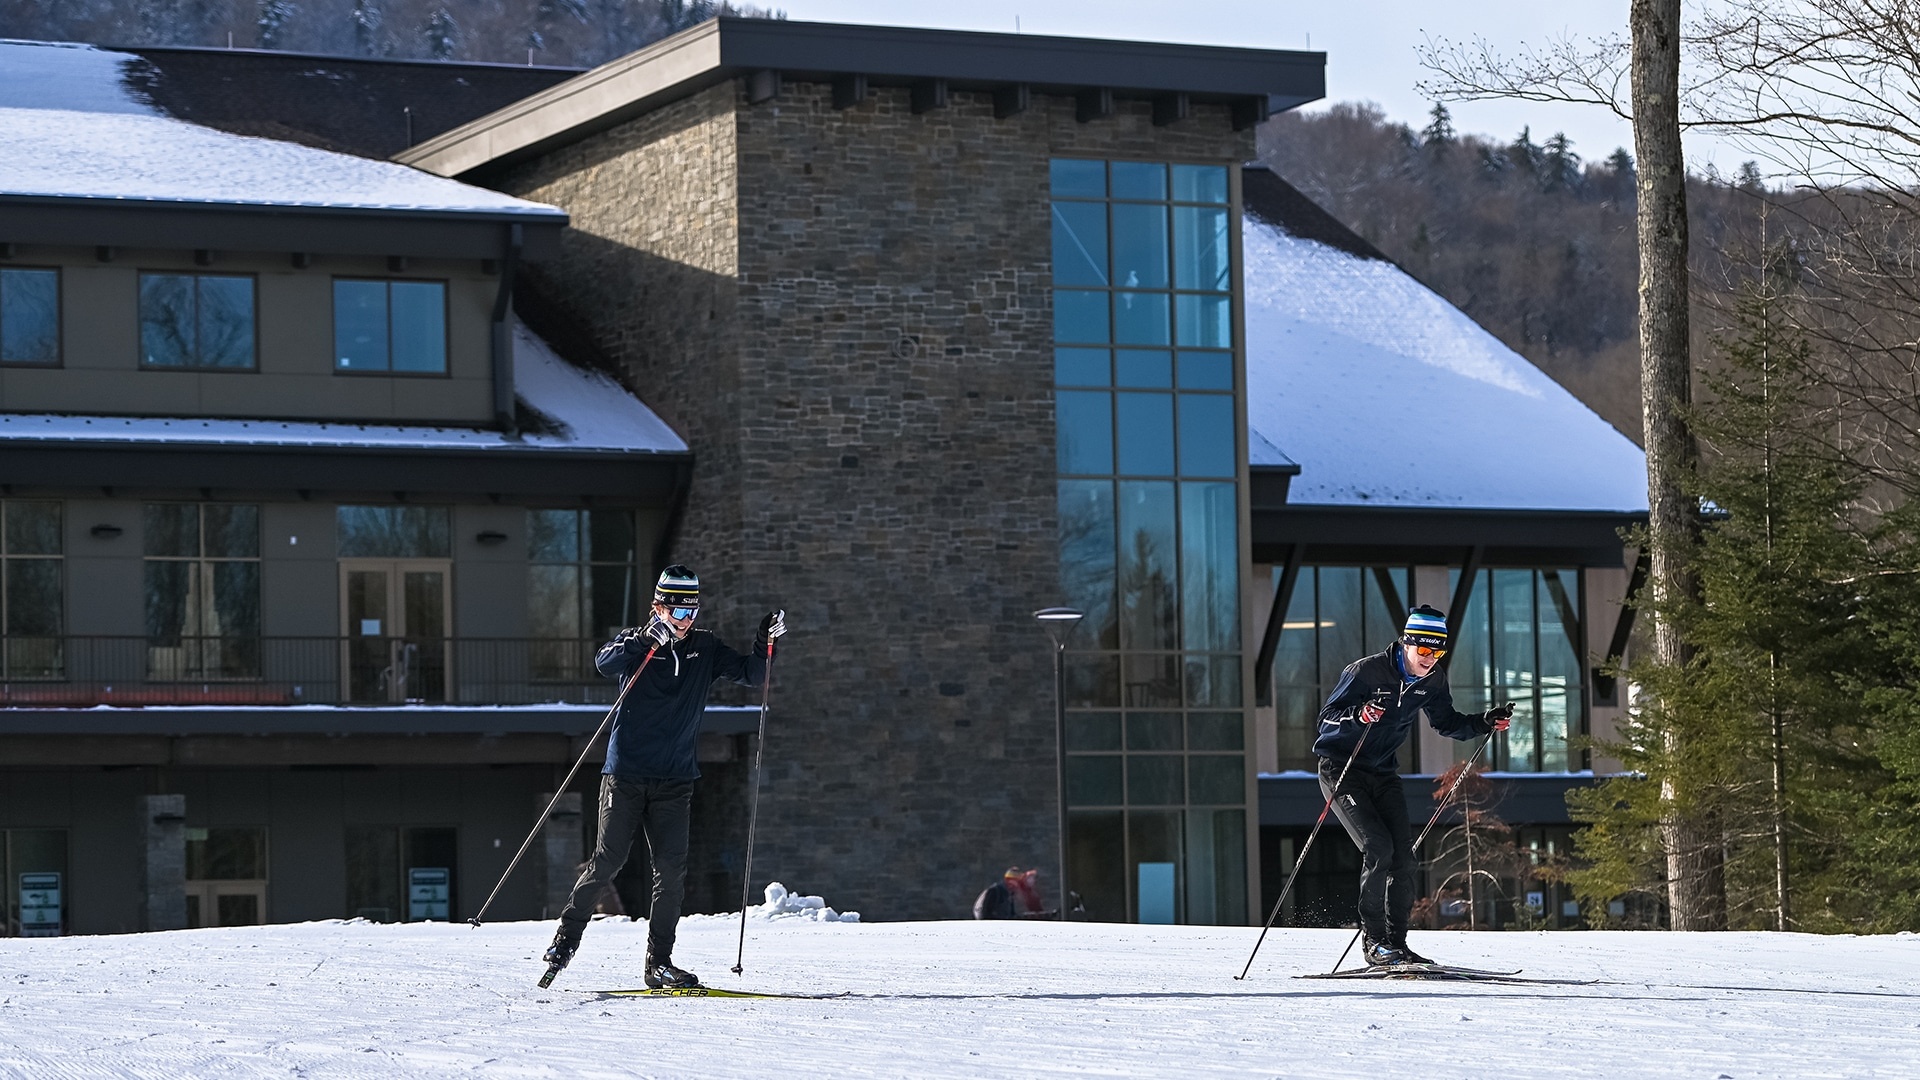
(1517,642)
(1144,400)
(1337,615)
(583,586)
(201,578)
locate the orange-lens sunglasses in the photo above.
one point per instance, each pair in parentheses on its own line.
(1426,650)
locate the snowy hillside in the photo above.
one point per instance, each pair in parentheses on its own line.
(950,999)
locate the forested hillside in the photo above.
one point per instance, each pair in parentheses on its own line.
(566,33)
(1525,236)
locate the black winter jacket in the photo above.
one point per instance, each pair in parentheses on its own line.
(1377,679)
(658,728)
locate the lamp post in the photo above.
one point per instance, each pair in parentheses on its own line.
(1059,622)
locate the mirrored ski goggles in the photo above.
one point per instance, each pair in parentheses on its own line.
(682,612)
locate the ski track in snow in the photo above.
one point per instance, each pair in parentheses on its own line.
(354,1000)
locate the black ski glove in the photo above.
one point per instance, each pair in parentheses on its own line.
(773,626)
(658,631)
(1500,717)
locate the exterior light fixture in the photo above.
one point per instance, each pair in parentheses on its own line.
(1059,622)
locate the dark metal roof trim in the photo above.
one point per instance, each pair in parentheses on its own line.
(724,48)
(36,219)
(1333,534)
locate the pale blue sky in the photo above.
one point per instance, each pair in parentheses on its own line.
(1370,45)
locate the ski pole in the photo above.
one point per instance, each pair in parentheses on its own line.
(564,784)
(1308,846)
(753,811)
(1445,801)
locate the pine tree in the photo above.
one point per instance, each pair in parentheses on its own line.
(1523,154)
(1750,738)
(270,24)
(1438,136)
(365,19)
(1559,165)
(442,34)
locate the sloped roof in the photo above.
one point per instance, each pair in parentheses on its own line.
(73,128)
(1387,395)
(580,411)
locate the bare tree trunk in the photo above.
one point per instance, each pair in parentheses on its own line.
(1780,880)
(1696,890)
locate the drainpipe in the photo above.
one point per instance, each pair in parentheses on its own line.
(503,335)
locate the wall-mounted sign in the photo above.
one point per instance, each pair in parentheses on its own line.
(429,890)
(40,905)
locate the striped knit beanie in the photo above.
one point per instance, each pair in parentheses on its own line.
(677,587)
(1425,626)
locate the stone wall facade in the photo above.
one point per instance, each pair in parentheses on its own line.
(865,378)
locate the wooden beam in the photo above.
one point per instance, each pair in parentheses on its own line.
(1463,593)
(928,95)
(1606,688)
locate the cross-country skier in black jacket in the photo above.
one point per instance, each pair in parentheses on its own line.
(1378,699)
(647,783)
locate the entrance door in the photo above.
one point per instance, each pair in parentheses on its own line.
(394,615)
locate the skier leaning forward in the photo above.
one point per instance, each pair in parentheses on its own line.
(1389,691)
(647,783)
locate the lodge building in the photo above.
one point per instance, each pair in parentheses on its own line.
(347,405)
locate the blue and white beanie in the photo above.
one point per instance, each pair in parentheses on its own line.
(1425,626)
(677,587)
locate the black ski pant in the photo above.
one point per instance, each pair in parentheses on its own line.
(1373,809)
(660,810)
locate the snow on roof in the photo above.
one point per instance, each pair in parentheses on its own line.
(587,410)
(1388,395)
(70,127)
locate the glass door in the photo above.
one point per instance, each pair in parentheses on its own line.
(395,614)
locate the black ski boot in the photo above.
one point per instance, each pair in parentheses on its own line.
(558,954)
(1382,954)
(1400,942)
(662,975)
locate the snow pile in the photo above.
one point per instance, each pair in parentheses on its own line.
(782,904)
(69,127)
(1387,395)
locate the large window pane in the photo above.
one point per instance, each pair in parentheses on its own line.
(1216,779)
(1146,434)
(1210,567)
(1081,367)
(1140,318)
(553,601)
(1201,257)
(553,535)
(1146,368)
(171,529)
(1151,681)
(1085,437)
(1139,180)
(1153,731)
(1215,731)
(235,609)
(1139,246)
(360,325)
(1200,183)
(1079,179)
(1206,321)
(1080,244)
(29,316)
(1206,435)
(232,531)
(610,536)
(1080,316)
(1341,638)
(1147,561)
(419,326)
(1094,780)
(1087,562)
(167,332)
(226,321)
(394,532)
(1093,731)
(33,596)
(1155,780)
(1213,681)
(32,528)
(1097,862)
(1206,371)
(1093,679)
(169,596)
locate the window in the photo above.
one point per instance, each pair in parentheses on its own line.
(1147,457)
(394,326)
(396,873)
(226,876)
(196,321)
(582,585)
(29,316)
(202,585)
(31,593)
(1520,642)
(1337,614)
(394,532)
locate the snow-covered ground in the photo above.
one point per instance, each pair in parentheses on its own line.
(964,999)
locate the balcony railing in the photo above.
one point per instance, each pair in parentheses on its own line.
(80,671)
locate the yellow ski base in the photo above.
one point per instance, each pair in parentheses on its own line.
(707,992)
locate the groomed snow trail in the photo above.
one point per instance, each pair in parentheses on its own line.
(958,999)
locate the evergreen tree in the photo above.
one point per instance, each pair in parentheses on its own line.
(442,34)
(1559,165)
(1767,712)
(365,20)
(270,24)
(1522,153)
(1438,136)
